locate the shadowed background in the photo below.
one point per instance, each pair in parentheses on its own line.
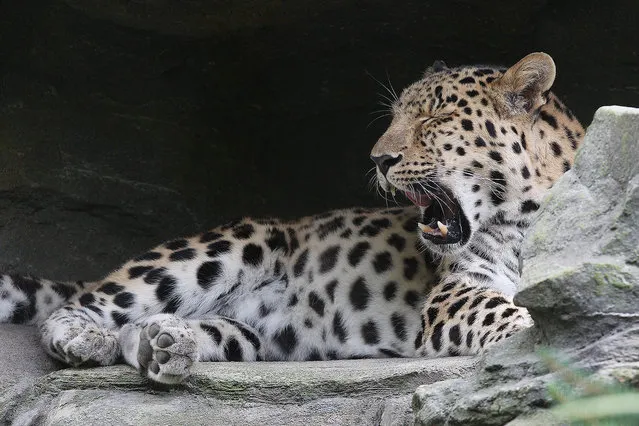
(124,123)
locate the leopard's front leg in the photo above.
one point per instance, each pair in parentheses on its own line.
(164,347)
(461,317)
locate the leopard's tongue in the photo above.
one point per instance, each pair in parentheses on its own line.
(419,199)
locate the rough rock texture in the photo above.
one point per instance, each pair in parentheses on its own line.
(33,391)
(580,283)
(333,392)
(23,359)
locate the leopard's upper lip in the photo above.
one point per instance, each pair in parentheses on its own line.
(420,199)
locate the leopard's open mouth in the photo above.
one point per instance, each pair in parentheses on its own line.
(443,220)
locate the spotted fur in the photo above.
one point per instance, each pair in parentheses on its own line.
(348,283)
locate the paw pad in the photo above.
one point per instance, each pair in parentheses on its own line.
(145,351)
(164,341)
(153,330)
(162,357)
(167,349)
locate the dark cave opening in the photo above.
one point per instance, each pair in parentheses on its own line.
(123,126)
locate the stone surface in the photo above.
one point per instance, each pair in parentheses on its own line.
(34,390)
(581,273)
(328,392)
(21,355)
(108,407)
(580,284)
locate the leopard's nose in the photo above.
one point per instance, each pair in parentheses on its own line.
(385,162)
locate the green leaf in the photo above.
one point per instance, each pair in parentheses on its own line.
(600,407)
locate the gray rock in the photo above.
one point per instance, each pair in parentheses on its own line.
(22,356)
(328,392)
(95,407)
(580,284)
(34,390)
(586,237)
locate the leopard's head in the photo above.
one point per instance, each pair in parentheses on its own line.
(466,145)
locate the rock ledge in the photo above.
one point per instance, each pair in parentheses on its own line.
(363,391)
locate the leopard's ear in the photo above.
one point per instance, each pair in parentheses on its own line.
(524,86)
(436,67)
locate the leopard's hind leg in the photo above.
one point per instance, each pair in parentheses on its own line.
(162,347)
(77,336)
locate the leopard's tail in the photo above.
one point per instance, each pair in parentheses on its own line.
(28,300)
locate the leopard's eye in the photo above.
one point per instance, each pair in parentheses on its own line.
(428,118)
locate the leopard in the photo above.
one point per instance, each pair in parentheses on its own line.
(473,149)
